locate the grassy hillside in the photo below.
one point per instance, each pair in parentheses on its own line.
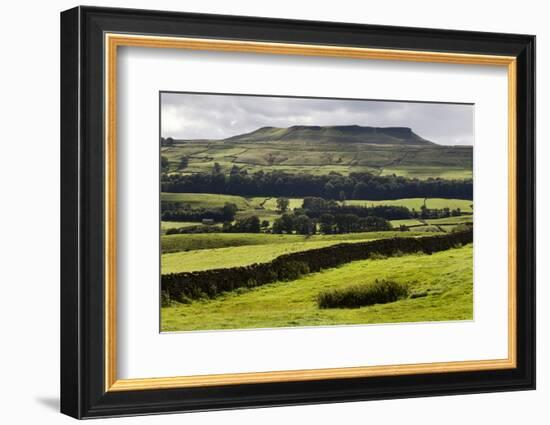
(441,285)
(322,157)
(334,134)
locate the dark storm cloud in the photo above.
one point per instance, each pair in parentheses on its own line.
(202,116)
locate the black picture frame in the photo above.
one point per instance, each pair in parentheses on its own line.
(83,392)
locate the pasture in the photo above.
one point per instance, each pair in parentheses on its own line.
(205,200)
(242,255)
(465,205)
(440,285)
(192,242)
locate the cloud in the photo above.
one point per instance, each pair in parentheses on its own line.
(214,116)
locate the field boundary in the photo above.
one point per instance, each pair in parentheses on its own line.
(185,286)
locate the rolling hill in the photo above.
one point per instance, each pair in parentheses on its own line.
(322,150)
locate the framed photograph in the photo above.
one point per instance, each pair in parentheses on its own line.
(261,212)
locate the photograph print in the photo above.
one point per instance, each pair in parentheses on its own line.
(281,212)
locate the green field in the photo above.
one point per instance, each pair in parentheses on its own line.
(409,222)
(165,225)
(192,242)
(235,256)
(451,220)
(416,203)
(441,284)
(204,200)
(427,172)
(269,204)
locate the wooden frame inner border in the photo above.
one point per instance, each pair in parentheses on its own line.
(113,41)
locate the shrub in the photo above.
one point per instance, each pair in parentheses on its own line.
(200,228)
(377,256)
(377,292)
(165,299)
(462,227)
(251,283)
(293,270)
(240,291)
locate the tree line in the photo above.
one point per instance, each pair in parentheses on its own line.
(330,186)
(179,211)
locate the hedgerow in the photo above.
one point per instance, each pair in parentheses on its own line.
(211,283)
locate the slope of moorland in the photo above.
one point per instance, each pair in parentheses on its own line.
(322,150)
(333,134)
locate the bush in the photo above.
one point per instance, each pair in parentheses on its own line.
(377,292)
(462,227)
(293,270)
(200,228)
(164,299)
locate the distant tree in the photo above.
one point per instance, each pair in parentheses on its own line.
(424,211)
(284,224)
(277,226)
(304,225)
(326,224)
(329,189)
(346,223)
(283,184)
(342,197)
(248,224)
(264,224)
(360,191)
(184,162)
(282,204)
(166,141)
(229,211)
(164,163)
(243,225)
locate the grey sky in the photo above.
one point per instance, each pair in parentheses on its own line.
(205,116)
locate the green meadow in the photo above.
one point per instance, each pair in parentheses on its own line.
(199,241)
(417,203)
(441,289)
